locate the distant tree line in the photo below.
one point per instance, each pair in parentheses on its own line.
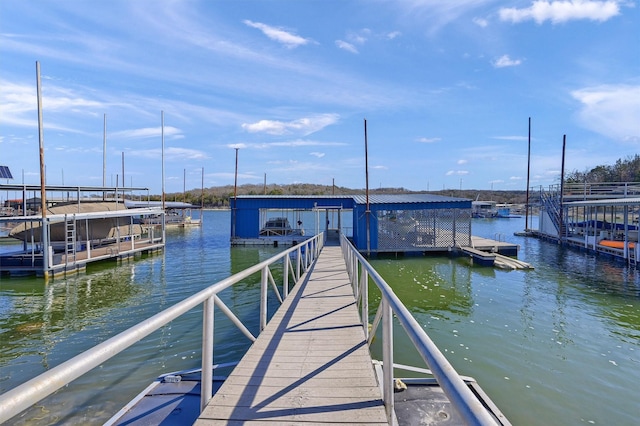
(625,170)
(218,197)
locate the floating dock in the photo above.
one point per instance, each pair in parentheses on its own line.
(487,252)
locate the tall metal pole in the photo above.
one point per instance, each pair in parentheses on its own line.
(104,154)
(526,220)
(163,192)
(366,168)
(123,184)
(202,195)
(564,145)
(43,201)
(44,234)
(235,199)
(162,153)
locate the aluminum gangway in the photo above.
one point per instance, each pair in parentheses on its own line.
(311,364)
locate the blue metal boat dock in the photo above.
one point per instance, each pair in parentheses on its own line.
(310,365)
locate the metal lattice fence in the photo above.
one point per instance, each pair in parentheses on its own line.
(423,230)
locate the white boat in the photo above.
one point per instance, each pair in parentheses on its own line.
(91,229)
(484,209)
(279,227)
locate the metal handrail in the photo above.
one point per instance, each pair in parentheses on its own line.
(466,402)
(25,395)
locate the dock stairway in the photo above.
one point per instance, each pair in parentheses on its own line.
(551,203)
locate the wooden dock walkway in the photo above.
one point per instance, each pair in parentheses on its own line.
(311,364)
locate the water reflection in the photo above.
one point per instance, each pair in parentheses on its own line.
(437,286)
(557,344)
(36,317)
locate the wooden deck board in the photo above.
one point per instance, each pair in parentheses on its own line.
(311,365)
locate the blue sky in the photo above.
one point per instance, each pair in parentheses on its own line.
(446,88)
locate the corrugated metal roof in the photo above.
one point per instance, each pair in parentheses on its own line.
(307,197)
(373,199)
(406,199)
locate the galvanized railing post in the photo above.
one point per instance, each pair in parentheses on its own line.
(206,382)
(264,277)
(307,249)
(364,300)
(387,358)
(298,260)
(285,276)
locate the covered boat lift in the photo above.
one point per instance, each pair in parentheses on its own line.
(607,225)
(81,230)
(393,223)
(601,218)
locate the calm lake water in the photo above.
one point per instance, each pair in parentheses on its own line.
(557,345)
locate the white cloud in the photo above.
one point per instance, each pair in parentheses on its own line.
(303,126)
(359,38)
(286,144)
(511,138)
(461,162)
(457,172)
(393,34)
(317,154)
(436,14)
(505,61)
(278,34)
(562,11)
(171,152)
(18,103)
(481,22)
(346,46)
(611,110)
(428,140)
(147,132)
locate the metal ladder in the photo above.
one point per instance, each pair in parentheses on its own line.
(70,242)
(632,257)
